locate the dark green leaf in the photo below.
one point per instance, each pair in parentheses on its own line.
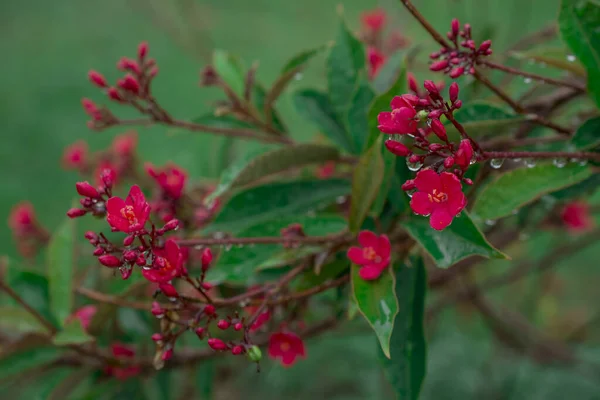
(316,107)
(585,187)
(248,171)
(259,96)
(300,59)
(60,270)
(482,119)
(358,114)
(237,265)
(558,57)
(366,181)
(29,353)
(389,165)
(17,319)
(269,202)
(230,70)
(205,379)
(524,185)
(328,271)
(346,59)
(588,134)
(377,302)
(460,240)
(578,22)
(287,256)
(72,333)
(407,366)
(33,288)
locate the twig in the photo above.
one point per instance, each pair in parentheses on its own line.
(51,328)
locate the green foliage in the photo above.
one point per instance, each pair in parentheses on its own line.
(358,116)
(72,333)
(61,260)
(587,135)
(480,119)
(230,70)
(17,319)
(557,57)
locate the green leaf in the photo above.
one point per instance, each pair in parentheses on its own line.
(237,265)
(248,171)
(287,256)
(17,319)
(276,200)
(482,119)
(316,107)
(377,302)
(578,21)
(29,353)
(358,114)
(585,187)
(407,366)
(221,121)
(588,135)
(60,270)
(366,181)
(300,59)
(328,272)
(460,240)
(344,62)
(389,166)
(522,186)
(230,70)
(389,74)
(205,379)
(72,333)
(557,57)
(259,97)
(33,288)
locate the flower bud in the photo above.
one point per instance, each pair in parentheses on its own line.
(238,326)
(430,87)
(464,154)
(424,102)
(140,260)
(207,258)
(453,92)
(439,129)
(125,272)
(439,65)
(156,310)
(168,290)
(171,225)
(206,285)
(108,176)
(97,79)
(411,98)
(455,25)
(86,202)
(76,212)
(128,240)
(129,83)
(217,344)
(458,104)
(91,236)
(142,50)
(108,260)
(484,46)
(435,147)
(435,55)
(156,337)
(435,114)
(397,148)
(456,72)
(86,190)
(209,309)
(200,332)
(98,251)
(127,64)
(223,324)
(448,162)
(467,29)
(254,353)
(412,82)
(237,350)
(167,354)
(409,185)
(129,255)
(414,159)
(468,181)
(113,94)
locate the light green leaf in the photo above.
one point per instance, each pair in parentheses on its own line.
(72,333)
(366,181)
(17,319)
(482,119)
(328,272)
(276,200)
(587,135)
(344,62)
(377,302)
(522,186)
(388,76)
(316,107)
(358,114)
(221,121)
(60,270)
(248,171)
(460,240)
(557,57)
(230,70)
(407,366)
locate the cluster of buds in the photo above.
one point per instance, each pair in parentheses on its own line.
(28,233)
(171,181)
(133,89)
(461,58)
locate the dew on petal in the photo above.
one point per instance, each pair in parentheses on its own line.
(414,166)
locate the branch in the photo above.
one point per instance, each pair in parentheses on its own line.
(51,328)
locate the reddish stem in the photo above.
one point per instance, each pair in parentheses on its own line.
(541,154)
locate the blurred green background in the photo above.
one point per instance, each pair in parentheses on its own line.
(47,48)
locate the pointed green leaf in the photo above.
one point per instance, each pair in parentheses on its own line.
(588,134)
(377,302)
(389,74)
(358,114)
(230,70)
(316,107)
(366,181)
(259,98)
(276,200)
(481,118)
(72,333)
(221,121)
(300,59)
(17,319)
(557,57)
(460,240)
(248,171)
(407,366)
(60,270)
(346,59)
(522,186)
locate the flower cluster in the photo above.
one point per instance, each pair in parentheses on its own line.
(461,58)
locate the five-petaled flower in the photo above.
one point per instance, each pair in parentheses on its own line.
(576,216)
(438,195)
(168,263)
(286,347)
(129,215)
(373,256)
(170,178)
(401,120)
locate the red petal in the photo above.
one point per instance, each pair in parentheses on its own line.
(369,273)
(427,180)
(420,203)
(440,219)
(355,254)
(114,205)
(136,197)
(368,239)
(456,203)
(399,102)
(383,246)
(450,183)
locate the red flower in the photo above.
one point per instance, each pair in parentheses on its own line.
(75,155)
(107,168)
(376,60)
(440,196)
(123,352)
(373,20)
(576,216)
(402,118)
(286,347)
(85,315)
(168,263)
(22,217)
(373,254)
(326,170)
(171,179)
(129,215)
(124,145)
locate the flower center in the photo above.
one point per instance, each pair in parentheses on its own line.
(128,213)
(437,197)
(370,254)
(285,346)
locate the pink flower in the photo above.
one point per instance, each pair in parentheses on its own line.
(123,352)
(85,315)
(440,196)
(373,20)
(286,347)
(22,217)
(170,178)
(576,216)
(402,118)
(129,215)
(376,60)
(124,145)
(373,255)
(326,170)
(75,155)
(168,263)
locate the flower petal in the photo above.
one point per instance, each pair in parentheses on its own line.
(355,254)
(369,273)
(399,102)
(383,246)
(135,196)
(456,203)
(420,203)
(368,239)
(440,219)
(114,205)
(450,183)
(427,180)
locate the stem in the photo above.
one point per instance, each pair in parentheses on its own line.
(263,240)
(510,142)
(541,154)
(434,34)
(462,131)
(536,77)
(33,312)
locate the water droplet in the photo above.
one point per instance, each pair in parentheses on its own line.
(414,166)
(523,236)
(219,235)
(515,212)
(298,76)
(198,247)
(517,159)
(173,299)
(397,137)
(529,162)
(571,58)
(583,163)
(527,80)
(227,247)
(340,199)
(490,222)
(559,162)
(574,160)
(146,268)
(496,163)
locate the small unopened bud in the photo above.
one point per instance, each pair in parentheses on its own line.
(200,332)
(435,147)
(91,236)
(409,185)
(113,94)
(435,55)
(130,255)
(458,104)
(484,46)
(439,129)
(153,72)
(453,92)
(142,50)
(456,72)
(125,272)
(140,261)
(217,344)
(156,310)
(129,83)
(414,159)
(467,29)
(98,251)
(223,324)
(206,285)
(157,336)
(89,106)
(254,353)
(238,326)
(167,354)
(97,79)
(435,114)
(448,162)
(127,64)
(412,83)
(208,76)
(108,260)
(209,309)
(237,350)
(86,190)
(108,176)
(424,102)
(397,148)
(207,258)
(455,25)
(86,202)
(411,98)
(171,225)
(430,87)
(439,65)
(76,212)
(464,154)
(128,240)
(468,181)
(168,290)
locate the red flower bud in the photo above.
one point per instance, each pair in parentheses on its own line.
(97,79)
(200,332)
(458,104)
(209,309)
(142,50)
(397,148)
(435,147)
(409,185)
(464,154)
(127,64)
(86,190)
(455,61)
(414,158)
(89,106)
(439,65)
(108,260)
(207,258)
(166,355)
(468,181)
(125,272)
(129,83)
(156,310)
(483,47)
(206,285)
(467,29)
(237,350)
(435,55)
(453,92)
(98,251)
(435,114)
(456,72)
(412,82)
(140,261)
(411,98)
(430,87)
(217,344)
(156,337)
(129,255)
(223,324)
(91,236)
(153,72)
(171,225)
(128,240)
(439,129)
(113,94)
(424,102)
(76,212)
(448,162)
(238,326)
(108,176)
(455,25)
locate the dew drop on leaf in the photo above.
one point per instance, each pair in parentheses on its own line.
(496,163)
(530,162)
(559,162)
